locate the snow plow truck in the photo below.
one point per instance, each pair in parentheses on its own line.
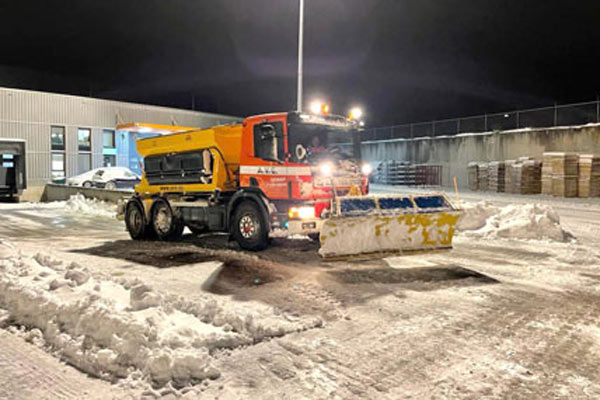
(275,175)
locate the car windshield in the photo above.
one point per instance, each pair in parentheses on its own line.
(314,142)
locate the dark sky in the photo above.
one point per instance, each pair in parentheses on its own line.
(403,61)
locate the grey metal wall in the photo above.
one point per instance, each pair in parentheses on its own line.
(29,115)
(455,152)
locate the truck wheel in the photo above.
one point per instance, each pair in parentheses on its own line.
(166,224)
(135,221)
(249,227)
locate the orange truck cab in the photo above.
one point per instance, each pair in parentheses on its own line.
(273,175)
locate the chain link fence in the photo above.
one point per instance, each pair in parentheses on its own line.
(557,115)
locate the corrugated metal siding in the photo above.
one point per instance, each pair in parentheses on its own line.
(29,115)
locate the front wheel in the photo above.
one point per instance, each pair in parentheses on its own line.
(249,227)
(166,224)
(110,185)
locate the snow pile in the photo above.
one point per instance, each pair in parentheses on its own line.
(528,221)
(93,207)
(474,216)
(118,328)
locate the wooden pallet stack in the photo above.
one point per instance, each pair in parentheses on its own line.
(483,176)
(510,176)
(547,174)
(497,170)
(589,176)
(530,177)
(564,174)
(473,175)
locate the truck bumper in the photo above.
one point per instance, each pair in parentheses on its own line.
(298,227)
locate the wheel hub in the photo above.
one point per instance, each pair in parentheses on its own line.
(162,220)
(248,226)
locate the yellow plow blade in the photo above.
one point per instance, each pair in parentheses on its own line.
(364,225)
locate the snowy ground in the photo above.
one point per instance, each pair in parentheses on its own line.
(87,313)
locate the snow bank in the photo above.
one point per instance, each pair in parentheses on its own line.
(93,207)
(523,221)
(77,204)
(475,216)
(118,328)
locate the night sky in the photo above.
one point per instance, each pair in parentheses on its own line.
(403,61)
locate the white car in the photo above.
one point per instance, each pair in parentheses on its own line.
(111,178)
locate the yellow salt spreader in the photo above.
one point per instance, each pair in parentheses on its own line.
(366,225)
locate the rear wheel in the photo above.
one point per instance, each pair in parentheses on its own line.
(87,184)
(165,223)
(135,221)
(249,227)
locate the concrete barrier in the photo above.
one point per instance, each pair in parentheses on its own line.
(455,152)
(54,192)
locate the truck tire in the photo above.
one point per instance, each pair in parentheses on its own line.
(249,227)
(165,223)
(135,221)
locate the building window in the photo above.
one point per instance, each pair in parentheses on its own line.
(84,137)
(109,148)
(84,144)
(58,166)
(108,139)
(57,156)
(58,138)
(109,160)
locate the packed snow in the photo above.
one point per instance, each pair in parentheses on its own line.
(77,204)
(116,328)
(518,221)
(91,207)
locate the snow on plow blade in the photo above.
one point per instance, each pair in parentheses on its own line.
(369,224)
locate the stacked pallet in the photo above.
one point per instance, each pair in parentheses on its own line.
(589,176)
(564,173)
(473,176)
(497,170)
(530,177)
(547,174)
(483,176)
(510,176)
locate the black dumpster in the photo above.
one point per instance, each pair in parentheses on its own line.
(13,178)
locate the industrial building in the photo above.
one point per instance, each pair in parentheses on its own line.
(67,135)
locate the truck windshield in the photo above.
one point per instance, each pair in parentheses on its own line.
(314,142)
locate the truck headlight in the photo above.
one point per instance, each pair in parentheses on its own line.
(301,212)
(326,169)
(366,169)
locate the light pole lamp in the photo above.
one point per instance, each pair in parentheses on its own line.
(300,45)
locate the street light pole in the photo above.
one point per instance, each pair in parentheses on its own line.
(300,46)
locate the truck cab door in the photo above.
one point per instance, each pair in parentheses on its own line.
(263,163)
